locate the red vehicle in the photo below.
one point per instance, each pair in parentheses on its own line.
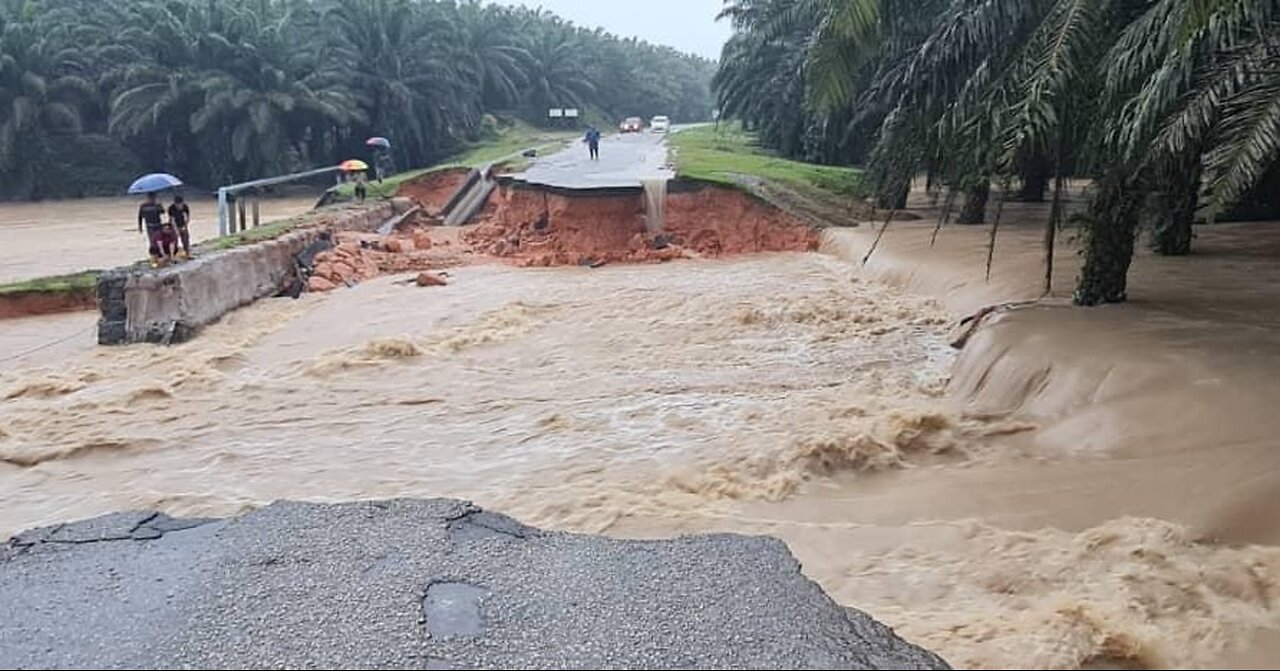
(633,124)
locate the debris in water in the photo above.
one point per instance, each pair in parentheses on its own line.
(430,280)
(320,284)
(363,256)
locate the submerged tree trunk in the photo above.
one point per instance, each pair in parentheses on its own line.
(893,196)
(1035,180)
(1111,223)
(975,204)
(1174,211)
(1051,227)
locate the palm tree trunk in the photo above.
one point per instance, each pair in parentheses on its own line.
(1110,226)
(975,203)
(1035,180)
(1172,229)
(894,196)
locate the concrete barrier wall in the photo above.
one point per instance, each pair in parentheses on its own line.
(171,304)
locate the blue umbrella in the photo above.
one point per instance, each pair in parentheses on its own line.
(378,142)
(156,181)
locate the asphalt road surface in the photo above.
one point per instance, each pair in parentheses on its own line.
(435,584)
(626,160)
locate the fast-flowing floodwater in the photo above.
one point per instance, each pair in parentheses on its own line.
(68,236)
(771,394)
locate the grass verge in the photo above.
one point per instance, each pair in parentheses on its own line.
(717,155)
(274,229)
(512,139)
(58,284)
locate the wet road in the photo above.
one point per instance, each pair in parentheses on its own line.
(625,161)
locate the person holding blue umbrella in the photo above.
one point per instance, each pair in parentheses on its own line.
(151,214)
(161,241)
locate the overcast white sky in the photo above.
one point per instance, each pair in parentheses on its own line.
(687,25)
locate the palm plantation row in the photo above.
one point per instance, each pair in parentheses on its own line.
(92,91)
(1170,107)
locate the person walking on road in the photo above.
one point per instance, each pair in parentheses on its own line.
(593,143)
(180,215)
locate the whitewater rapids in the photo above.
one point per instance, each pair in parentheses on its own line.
(774,393)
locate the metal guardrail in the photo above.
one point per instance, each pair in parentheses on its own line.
(225,192)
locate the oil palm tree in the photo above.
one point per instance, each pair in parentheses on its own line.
(228,86)
(1186,76)
(219,89)
(42,93)
(492,53)
(405,76)
(557,72)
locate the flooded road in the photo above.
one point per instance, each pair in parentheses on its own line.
(773,394)
(62,237)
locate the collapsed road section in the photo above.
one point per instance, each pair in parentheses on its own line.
(538,225)
(408,584)
(625,206)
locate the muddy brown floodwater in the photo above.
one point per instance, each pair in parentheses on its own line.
(60,237)
(778,393)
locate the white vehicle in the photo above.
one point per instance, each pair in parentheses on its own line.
(659,124)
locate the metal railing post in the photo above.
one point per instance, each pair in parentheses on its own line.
(222,213)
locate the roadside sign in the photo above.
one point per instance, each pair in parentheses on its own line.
(571,113)
(555,112)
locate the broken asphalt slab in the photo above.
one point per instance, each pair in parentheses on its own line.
(414,584)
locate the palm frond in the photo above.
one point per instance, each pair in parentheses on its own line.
(1247,141)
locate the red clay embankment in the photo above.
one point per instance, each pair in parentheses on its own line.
(545,227)
(32,303)
(434,189)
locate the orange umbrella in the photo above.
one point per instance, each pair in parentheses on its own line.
(353,165)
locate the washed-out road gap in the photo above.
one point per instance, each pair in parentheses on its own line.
(528,390)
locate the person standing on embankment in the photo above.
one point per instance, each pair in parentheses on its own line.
(151,213)
(180,215)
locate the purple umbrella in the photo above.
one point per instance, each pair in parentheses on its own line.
(378,142)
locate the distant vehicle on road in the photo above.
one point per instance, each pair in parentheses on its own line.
(633,124)
(659,124)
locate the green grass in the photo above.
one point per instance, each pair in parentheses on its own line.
(719,155)
(274,229)
(59,284)
(391,185)
(507,141)
(515,140)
